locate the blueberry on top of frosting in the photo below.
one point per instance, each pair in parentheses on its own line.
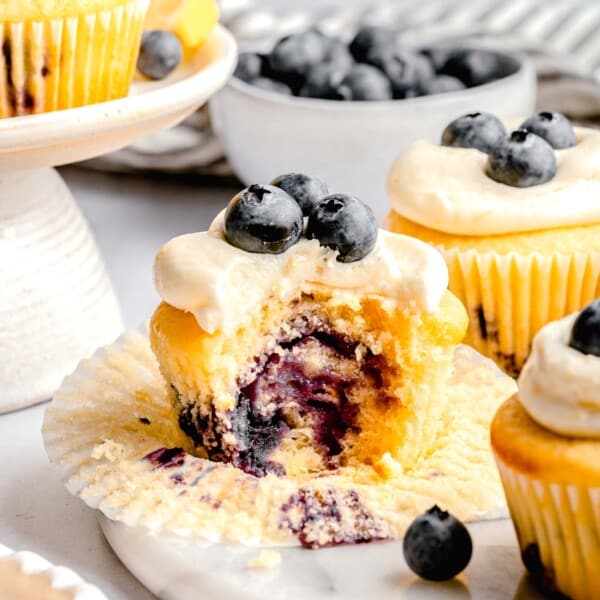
(263,219)
(554,127)
(585,335)
(346,224)
(482,131)
(306,190)
(522,160)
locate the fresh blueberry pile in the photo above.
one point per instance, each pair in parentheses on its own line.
(522,159)
(375,65)
(160,54)
(437,546)
(269,219)
(585,335)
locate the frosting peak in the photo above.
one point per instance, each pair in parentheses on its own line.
(559,386)
(221,285)
(447,189)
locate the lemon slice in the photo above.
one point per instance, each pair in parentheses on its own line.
(190,20)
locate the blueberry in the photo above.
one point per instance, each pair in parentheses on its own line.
(585,335)
(364,82)
(407,70)
(522,160)
(472,67)
(271,85)
(437,55)
(338,56)
(323,82)
(372,39)
(160,54)
(440,85)
(294,55)
(437,546)
(343,223)
(306,190)
(263,219)
(475,130)
(249,66)
(555,128)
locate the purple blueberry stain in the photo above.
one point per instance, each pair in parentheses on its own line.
(166,458)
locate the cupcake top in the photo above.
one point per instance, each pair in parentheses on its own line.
(26,10)
(560,384)
(480,181)
(272,243)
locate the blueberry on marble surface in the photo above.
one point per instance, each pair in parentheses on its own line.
(364,83)
(437,546)
(554,127)
(585,335)
(370,40)
(440,84)
(272,85)
(249,66)
(306,190)
(473,67)
(522,160)
(160,54)
(482,131)
(263,219)
(345,224)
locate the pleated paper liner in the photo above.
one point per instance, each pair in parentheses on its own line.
(558,527)
(111,430)
(511,297)
(64,63)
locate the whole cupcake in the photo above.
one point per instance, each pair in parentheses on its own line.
(60,54)
(516,217)
(546,440)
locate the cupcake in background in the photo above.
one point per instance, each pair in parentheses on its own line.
(517,218)
(60,54)
(546,440)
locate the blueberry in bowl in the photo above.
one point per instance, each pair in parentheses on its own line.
(343,118)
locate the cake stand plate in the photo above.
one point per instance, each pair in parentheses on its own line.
(57,304)
(177,569)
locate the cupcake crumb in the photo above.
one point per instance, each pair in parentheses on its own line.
(267,559)
(109,450)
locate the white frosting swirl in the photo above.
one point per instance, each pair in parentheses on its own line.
(447,189)
(559,386)
(222,285)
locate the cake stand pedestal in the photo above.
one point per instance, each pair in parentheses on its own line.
(57,304)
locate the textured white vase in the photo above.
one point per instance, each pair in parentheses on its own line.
(57,304)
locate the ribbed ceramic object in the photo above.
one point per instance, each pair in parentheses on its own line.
(56,300)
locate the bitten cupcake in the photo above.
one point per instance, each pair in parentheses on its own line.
(313,388)
(516,218)
(547,444)
(60,54)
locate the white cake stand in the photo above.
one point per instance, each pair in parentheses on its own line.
(57,304)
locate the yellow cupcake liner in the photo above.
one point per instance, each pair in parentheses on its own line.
(112,432)
(74,61)
(558,528)
(511,297)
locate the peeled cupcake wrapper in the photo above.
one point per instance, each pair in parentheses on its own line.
(68,62)
(112,431)
(510,296)
(558,528)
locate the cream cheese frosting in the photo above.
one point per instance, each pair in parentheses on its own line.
(560,386)
(221,285)
(447,189)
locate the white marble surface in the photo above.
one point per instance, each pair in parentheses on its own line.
(132,218)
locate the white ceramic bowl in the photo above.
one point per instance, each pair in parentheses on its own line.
(351,145)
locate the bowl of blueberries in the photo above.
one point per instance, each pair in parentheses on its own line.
(343,109)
